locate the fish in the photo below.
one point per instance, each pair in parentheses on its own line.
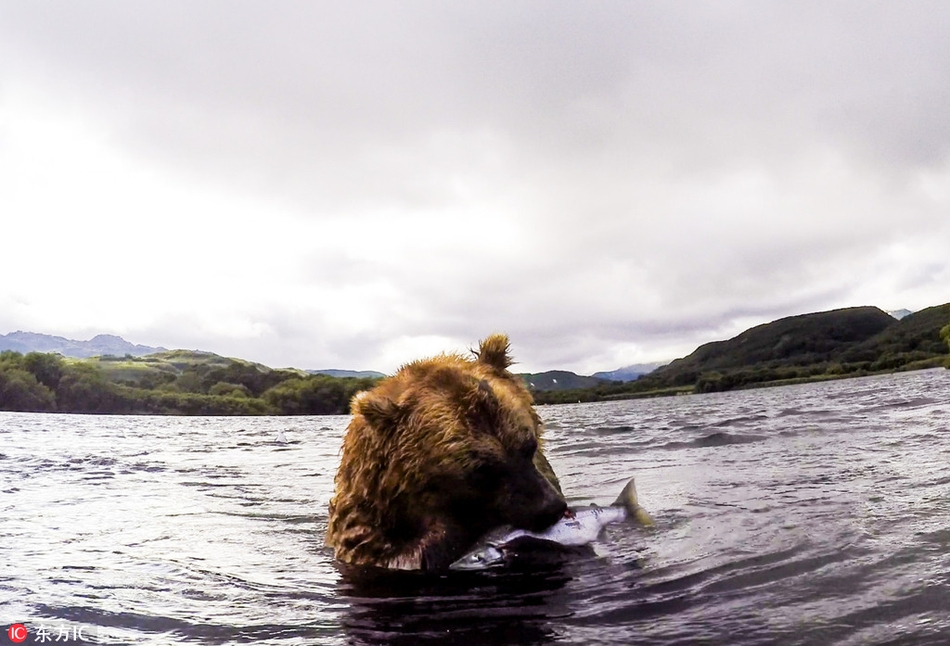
(579,527)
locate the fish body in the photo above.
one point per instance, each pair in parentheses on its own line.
(581,528)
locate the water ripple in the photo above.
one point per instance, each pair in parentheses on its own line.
(812,514)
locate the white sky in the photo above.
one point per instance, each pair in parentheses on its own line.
(355,185)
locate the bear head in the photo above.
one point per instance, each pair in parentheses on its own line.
(435,456)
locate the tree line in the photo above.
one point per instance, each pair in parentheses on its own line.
(42,382)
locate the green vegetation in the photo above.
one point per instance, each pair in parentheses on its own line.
(851,342)
(827,345)
(167,383)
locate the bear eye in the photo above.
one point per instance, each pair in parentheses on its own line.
(486,472)
(486,478)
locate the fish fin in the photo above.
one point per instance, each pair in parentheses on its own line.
(628,500)
(643,517)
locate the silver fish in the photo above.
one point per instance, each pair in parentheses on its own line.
(581,528)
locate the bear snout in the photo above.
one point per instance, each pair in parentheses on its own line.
(535,504)
(552,511)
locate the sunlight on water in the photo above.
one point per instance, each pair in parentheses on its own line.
(812,514)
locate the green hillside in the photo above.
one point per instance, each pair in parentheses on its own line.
(795,341)
(915,337)
(190,371)
(177,382)
(825,345)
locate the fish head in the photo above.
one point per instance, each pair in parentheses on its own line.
(479,559)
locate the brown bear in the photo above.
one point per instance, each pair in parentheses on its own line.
(435,456)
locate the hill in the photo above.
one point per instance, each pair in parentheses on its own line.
(357,374)
(177,382)
(558,380)
(803,340)
(825,345)
(915,337)
(188,371)
(101,344)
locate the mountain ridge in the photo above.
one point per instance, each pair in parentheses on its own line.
(101,344)
(629,373)
(831,344)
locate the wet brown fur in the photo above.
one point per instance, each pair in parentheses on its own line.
(435,456)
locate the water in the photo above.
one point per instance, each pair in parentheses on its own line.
(812,514)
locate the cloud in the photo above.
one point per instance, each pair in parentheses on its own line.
(348,185)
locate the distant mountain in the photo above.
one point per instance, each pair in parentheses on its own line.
(99,345)
(340,374)
(558,380)
(899,314)
(628,373)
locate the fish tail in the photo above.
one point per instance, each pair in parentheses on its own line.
(628,500)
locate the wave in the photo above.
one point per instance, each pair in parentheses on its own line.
(719,438)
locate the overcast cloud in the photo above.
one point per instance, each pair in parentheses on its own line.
(354,185)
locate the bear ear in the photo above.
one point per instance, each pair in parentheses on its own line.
(494,351)
(378,410)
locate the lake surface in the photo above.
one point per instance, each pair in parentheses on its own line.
(811,514)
